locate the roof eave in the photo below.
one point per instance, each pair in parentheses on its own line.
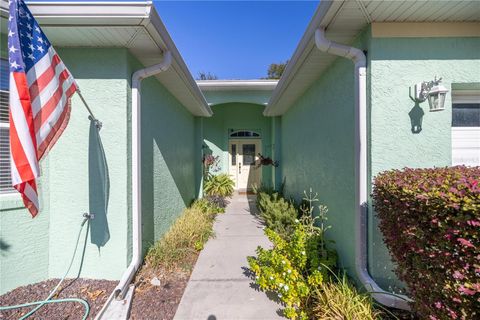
(120,13)
(185,74)
(237,85)
(325,11)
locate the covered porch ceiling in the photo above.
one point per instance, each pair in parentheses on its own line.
(239,91)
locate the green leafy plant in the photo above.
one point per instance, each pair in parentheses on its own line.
(277,213)
(206,205)
(219,185)
(320,222)
(295,264)
(340,300)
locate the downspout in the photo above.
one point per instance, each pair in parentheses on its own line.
(137,257)
(361,182)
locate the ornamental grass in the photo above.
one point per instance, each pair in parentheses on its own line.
(179,247)
(340,300)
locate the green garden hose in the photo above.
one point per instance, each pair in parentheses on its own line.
(40,304)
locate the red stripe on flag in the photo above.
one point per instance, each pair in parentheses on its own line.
(44,79)
(24,95)
(18,154)
(52,103)
(56,131)
(29,204)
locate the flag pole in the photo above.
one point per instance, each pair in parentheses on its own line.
(97,122)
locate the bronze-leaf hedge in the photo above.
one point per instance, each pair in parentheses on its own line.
(430,220)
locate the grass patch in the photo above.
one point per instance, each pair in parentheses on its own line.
(180,245)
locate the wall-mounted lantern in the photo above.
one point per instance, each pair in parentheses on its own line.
(433,91)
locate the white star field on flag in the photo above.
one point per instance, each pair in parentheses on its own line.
(32,43)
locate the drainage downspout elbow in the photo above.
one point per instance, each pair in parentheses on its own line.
(137,257)
(361,165)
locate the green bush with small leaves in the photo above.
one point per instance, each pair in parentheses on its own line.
(292,267)
(277,213)
(205,205)
(219,185)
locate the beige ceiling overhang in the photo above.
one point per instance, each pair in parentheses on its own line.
(132,25)
(344,20)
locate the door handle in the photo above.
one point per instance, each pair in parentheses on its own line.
(240,168)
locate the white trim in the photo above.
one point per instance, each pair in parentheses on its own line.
(91,10)
(12,195)
(226,85)
(465,96)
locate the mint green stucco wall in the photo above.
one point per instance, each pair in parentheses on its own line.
(170,158)
(317,150)
(86,172)
(317,138)
(237,116)
(71,183)
(394,66)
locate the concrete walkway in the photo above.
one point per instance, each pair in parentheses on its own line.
(219,287)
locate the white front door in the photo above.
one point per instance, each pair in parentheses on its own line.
(466,128)
(243,159)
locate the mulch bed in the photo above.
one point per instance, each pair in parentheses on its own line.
(95,292)
(159,299)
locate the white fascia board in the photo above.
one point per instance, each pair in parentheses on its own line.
(234,85)
(325,12)
(90,13)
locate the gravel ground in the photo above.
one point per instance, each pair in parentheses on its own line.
(95,292)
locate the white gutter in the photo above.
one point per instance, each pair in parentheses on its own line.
(361,181)
(137,257)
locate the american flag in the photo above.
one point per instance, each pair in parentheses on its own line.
(40,88)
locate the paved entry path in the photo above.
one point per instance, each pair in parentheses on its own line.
(219,287)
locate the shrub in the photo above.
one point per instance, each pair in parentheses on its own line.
(179,246)
(430,221)
(218,201)
(209,205)
(219,185)
(293,266)
(340,300)
(278,214)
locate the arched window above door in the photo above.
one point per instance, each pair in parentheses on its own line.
(244,134)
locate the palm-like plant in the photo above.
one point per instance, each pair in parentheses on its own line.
(219,185)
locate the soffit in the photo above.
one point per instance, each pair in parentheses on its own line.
(132,25)
(343,21)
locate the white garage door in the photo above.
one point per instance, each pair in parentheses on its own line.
(466,128)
